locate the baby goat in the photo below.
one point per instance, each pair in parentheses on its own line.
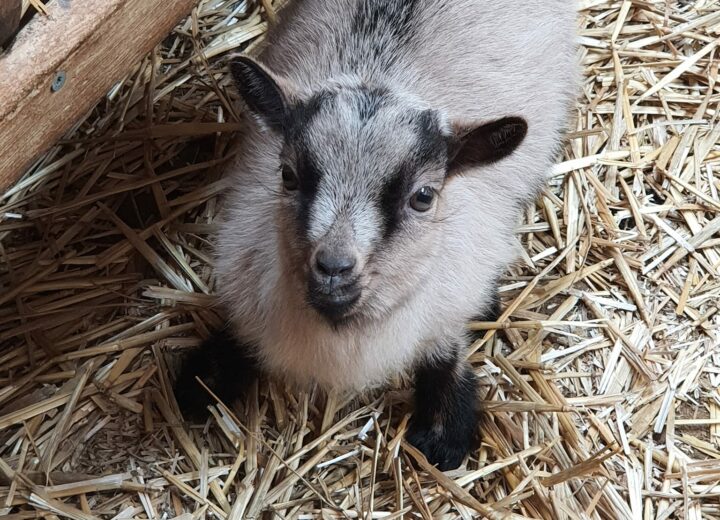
(390,149)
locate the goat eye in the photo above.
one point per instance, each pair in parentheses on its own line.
(289,179)
(423,199)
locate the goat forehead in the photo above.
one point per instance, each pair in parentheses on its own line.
(361,141)
(357,141)
(362,122)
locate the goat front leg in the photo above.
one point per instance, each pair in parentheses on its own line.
(445,422)
(224,365)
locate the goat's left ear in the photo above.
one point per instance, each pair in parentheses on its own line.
(485,144)
(260,91)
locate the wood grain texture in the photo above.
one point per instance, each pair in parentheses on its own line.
(10,14)
(94,43)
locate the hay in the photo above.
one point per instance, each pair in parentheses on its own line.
(601,382)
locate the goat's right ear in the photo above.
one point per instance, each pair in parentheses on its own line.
(486,143)
(260,91)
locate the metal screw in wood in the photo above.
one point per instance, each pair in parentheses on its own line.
(58,82)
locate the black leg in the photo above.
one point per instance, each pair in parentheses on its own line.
(223,365)
(444,425)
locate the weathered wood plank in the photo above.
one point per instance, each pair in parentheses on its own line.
(94,43)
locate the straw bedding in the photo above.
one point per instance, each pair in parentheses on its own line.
(601,381)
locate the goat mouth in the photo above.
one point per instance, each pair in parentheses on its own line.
(336,306)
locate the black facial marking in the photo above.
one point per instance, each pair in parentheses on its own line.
(301,114)
(445,421)
(309,176)
(432,145)
(369,101)
(308,173)
(392,198)
(224,365)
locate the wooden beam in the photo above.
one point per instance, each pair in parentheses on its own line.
(92,44)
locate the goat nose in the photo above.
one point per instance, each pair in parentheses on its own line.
(334,264)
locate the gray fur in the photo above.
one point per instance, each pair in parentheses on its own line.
(440,65)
